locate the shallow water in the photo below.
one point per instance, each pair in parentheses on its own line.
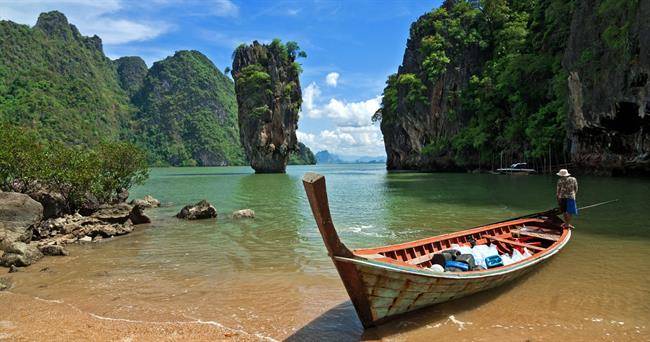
(271,275)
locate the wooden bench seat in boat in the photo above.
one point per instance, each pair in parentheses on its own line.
(550,237)
(515,243)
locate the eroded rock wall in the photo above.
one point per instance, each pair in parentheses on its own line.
(412,125)
(269,98)
(609,89)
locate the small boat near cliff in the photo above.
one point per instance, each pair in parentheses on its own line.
(385,282)
(516,169)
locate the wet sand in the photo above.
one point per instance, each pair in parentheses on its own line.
(25,318)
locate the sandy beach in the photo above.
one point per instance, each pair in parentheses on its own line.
(25,318)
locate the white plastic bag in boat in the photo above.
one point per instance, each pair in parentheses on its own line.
(507,260)
(436,268)
(462,249)
(517,256)
(527,253)
(493,250)
(480,252)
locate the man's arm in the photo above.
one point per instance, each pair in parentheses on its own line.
(576,184)
(557,189)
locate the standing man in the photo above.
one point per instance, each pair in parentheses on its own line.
(567,188)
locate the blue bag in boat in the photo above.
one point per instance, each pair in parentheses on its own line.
(493,261)
(450,264)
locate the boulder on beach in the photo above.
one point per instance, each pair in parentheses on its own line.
(5,284)
(120,213)
(200,210)
(71,228)
(85,239)
(18,213)
(54,204)
(20,254)
(113,213)
(53,250)
(147,201)
(243,213)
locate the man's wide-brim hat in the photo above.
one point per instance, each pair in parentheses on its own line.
(563,173)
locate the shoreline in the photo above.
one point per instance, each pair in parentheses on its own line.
(27,318)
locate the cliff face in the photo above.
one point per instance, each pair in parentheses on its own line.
(187,113)
(419,99)
(608,58)
(269,98)
(516,79)
(131,71)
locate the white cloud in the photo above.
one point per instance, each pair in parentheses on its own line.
(354,132)
(354,114)
(341,112)
(91,17)
(293,12)
(224,8)
(309,95)
(332,79)
(346,141)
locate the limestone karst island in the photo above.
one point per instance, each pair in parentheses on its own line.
(233,170)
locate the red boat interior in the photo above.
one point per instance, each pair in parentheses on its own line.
(534,234)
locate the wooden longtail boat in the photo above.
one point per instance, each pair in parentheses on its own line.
(387,281)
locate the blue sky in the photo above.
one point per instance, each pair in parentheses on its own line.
(352,47)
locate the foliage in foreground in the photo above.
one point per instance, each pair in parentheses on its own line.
(75,172)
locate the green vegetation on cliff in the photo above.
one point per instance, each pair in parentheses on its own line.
(131,72)
(495,66)
(303,156)
(188,113)
(59,82)
(482,78)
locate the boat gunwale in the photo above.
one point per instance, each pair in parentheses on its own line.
(419,242)
(531,261)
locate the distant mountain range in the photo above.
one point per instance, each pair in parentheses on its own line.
(325,157)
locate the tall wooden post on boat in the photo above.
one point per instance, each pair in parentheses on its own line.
(317,194)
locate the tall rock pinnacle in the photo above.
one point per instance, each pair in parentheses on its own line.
(269,99)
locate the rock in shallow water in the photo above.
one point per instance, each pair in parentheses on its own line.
(20,254)
(53,250)
(147,201)
(200,210)
(5,284)
(244,213)
(137,215)
(85,239)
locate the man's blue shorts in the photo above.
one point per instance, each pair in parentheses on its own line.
(568,205)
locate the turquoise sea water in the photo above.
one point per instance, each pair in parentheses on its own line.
(271,275)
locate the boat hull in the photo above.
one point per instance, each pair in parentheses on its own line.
(380,291)
(389,293)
